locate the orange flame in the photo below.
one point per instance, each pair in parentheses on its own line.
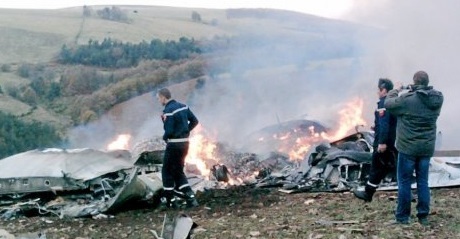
(201,150)
(122,142)
(349,117)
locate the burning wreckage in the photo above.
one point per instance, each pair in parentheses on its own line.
(88,182)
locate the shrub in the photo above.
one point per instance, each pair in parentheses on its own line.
(25,69)
(6,68)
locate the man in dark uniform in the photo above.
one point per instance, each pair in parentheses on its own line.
(178,121)
(384,154)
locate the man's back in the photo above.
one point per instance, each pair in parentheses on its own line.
(417,112)
(178,120)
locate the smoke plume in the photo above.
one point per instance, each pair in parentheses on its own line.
(418,35)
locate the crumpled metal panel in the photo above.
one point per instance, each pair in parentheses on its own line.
(79,164)
(84,182)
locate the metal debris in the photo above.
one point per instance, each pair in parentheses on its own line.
(71,183)
(178,227)
(220,172)
(87,182)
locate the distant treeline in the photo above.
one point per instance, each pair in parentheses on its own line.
(18,136)
(114,54)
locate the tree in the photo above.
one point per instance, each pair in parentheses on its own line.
(80,81)
(25,70)
(30,96)
(18,136)
(87,116)
(54,91)
(87,11)
(6,68)
(196,17)
(113,14)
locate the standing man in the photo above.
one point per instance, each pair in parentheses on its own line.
(384,154)
(417,112)
(178,121)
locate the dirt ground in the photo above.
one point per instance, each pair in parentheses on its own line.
(246,212)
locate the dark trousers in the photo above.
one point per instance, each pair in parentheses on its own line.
(172,173)
(382,164)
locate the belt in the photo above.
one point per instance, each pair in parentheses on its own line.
(178,140)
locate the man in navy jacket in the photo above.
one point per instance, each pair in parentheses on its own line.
(384,154)
(178,121)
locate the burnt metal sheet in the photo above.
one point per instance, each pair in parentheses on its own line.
(81,164)
(57,169)
(72,183)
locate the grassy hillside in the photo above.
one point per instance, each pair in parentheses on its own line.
(37,35)
(238,44)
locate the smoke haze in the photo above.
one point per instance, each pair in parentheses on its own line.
(411,36)
(419,35)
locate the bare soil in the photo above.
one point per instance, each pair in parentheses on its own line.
(246,212)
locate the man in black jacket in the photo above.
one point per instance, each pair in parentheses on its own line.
(178,121)
(384,154)
(417,112)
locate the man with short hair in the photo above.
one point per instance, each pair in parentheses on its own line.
(178,121)
(384,153)
(417,112)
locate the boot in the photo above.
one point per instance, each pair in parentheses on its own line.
(191,201)
(365,195)
(189,197)
(168,200)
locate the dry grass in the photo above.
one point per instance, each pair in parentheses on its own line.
(13,106)
(37,35)
(265,213)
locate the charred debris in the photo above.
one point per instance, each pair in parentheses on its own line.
(94,183)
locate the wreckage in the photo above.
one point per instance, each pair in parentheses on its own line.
(71,183)
(344,164)
(88,182)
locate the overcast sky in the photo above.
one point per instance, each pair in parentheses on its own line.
(325,8)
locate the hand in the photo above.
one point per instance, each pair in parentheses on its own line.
(399,85)
(381,148)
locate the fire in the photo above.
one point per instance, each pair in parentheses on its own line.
(298,145)
(295,143)
(201,149)
(122,142)
(235,181)
(350,117)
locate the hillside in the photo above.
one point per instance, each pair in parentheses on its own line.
(241,47)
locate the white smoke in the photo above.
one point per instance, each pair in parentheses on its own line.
(418,35)
(411,35)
